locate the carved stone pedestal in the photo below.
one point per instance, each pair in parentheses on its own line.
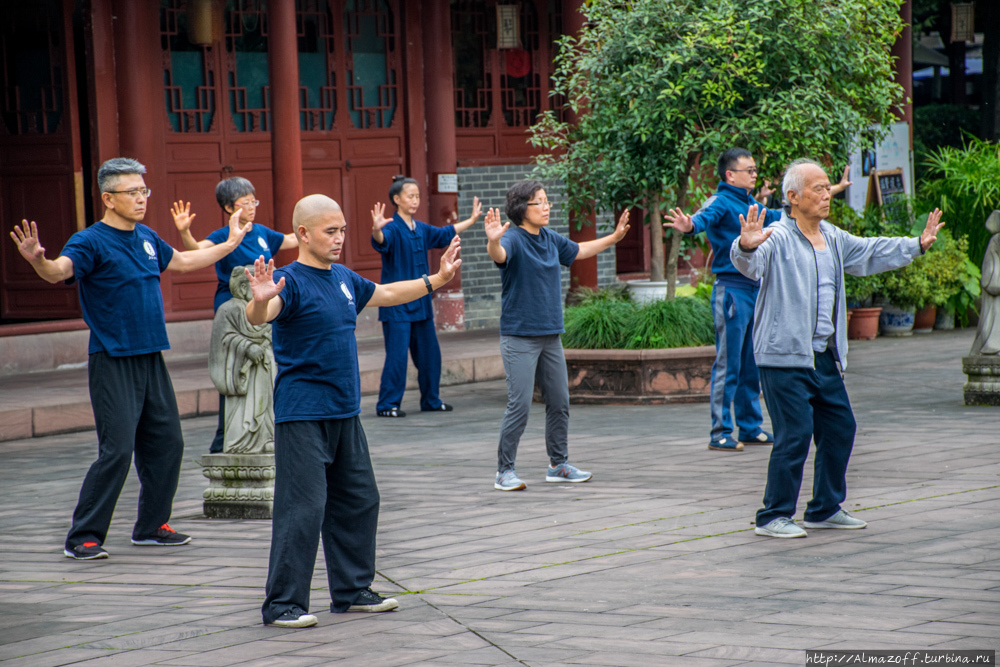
(983,384)
(241,486)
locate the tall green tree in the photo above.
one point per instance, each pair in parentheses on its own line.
(657,83)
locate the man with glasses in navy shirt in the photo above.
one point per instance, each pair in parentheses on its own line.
(117,264)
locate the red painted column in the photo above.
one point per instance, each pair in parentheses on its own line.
(139,78)
(439,106)
(582,273)
(902,50)
(102,92)
(286,140)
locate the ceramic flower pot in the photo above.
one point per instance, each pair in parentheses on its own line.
(646,291)
(923,319)
(863,323)
(945,320)
(894,321)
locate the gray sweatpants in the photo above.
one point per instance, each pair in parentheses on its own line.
(527,361)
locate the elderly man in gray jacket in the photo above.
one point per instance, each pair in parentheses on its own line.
(800,338)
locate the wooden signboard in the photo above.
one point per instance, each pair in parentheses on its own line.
(885,187)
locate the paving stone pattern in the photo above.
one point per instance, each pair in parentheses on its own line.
(480,277)
(652,563)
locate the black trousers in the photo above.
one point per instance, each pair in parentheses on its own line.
(135,410)
(324,485)
(807,404)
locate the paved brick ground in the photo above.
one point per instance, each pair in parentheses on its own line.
(652,563)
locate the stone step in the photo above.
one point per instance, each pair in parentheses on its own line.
(51,402)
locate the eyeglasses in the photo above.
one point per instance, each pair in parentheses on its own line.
(134,194)
(249,204)
(750,170)
(545,203)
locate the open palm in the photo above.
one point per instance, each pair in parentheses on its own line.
(495,230)
(262,283)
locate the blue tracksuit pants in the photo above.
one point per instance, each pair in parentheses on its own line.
(420,339)
(735,380)
(807,404)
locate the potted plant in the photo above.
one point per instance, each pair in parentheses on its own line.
(621,351)
(953,278)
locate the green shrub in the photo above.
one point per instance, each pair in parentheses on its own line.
(965,184)
(607,320)
(683,322)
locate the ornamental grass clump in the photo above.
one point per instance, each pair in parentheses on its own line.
(683,322)
(602,322)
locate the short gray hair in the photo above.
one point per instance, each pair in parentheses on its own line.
(794,179)
(231,189)
(115,168)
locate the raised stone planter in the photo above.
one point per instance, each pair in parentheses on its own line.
(241,486)
(646,377)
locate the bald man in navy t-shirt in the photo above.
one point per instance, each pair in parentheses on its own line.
(324,483)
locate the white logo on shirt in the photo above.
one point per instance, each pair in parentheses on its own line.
(148,247)
(347,292)
(262,242)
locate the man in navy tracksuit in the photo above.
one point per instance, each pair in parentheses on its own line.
(735,380)
(734,373)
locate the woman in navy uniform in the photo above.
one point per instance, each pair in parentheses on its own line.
(403,243)
(231,193)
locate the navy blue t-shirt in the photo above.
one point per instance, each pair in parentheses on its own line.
(404,257)
(314,343)
(531,295)
(119,281)
(260,240)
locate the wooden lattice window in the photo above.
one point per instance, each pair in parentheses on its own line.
(188,73)
(246,40)
(372,63)
(473,77)
(317,33)
(33,79)
(513,80)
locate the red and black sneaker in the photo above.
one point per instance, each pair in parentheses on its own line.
(86,551)
(165,536)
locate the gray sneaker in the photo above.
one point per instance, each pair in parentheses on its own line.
(509,481)
(294,618)
(841,520)
(780,527)
(564,472)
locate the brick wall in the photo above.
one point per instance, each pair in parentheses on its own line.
(480,276)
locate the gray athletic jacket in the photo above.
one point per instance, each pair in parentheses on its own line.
(785,264)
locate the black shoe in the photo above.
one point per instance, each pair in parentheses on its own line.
(390,412)
(86,551)
(165,536)
(444,407)
(371,601)
(294,618)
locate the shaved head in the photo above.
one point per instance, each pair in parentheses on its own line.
(312,210)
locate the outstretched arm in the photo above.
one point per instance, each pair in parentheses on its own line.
(404,291)
(291,241)
(50,270)
(193,260)
(264,306)
(495,232)
(477,210)
(591,248)
(183,217)
(845,182)
(379,221)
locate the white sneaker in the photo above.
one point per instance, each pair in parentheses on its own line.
(294,618)
(780,527)
(841,520)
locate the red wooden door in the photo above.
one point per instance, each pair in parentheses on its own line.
(41,176)
(218,117)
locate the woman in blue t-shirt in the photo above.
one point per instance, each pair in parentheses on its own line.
(232,193)
(529,257)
